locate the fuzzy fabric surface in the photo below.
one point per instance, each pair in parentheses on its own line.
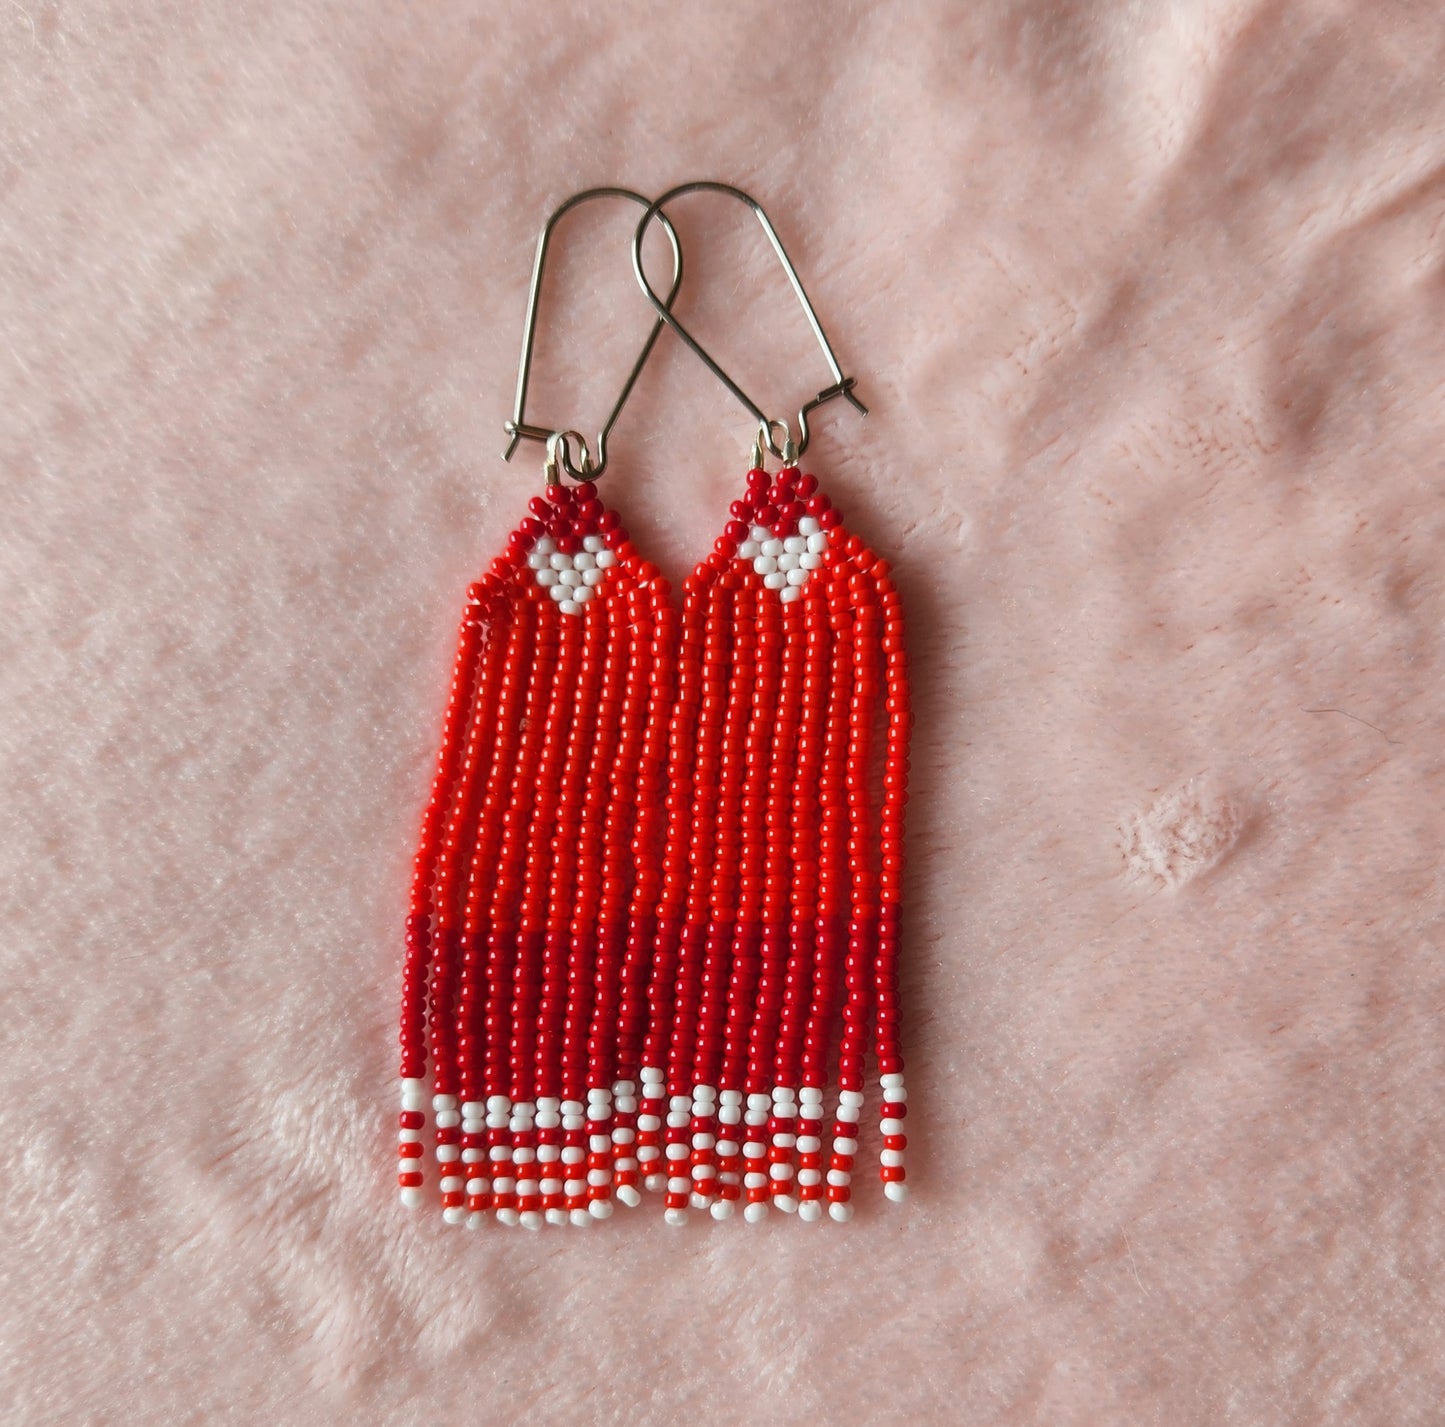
(1147,302)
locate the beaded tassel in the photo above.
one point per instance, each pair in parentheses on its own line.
(529,939)
(782,869)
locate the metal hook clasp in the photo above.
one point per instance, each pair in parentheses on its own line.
(560,442)
(842,385)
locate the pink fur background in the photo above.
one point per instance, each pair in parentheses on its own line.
(1147,300)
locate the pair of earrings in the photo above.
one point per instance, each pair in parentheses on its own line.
(655,915)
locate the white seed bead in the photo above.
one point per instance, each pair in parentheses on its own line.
(570,607)
(895,1096)
(809,561)
(592,577)
(625,1104)
(759,1101)
(679,1184)
(729,1115)
(498,1153)
(599,1144)
(583,560)
(772,547)
(810,1211)
(753,1150)
(704,1171)
(893,1127)
(623,1136)
(547,1154)
(537,560)
(678,1151)
(509,1217)
(776,581)
(753,1179)
(818,542)
(843,1145)
(478,1186)
(848,1114)
(755,1213)
(598,1177)
(786,1203)
(447,1153)
(572,578)
(810,1095)
(810,1176)
(839,1176)
(629,1196)
(727,1148)
(797,577)
(655,1183)
(451,1183)
(573,1187)
(748,550)
(789,593)
(840,1213)
(546,544)
(788,562)
(765,565)
(760,533)
(442,1103)
(410,1137)
(556,1216)
(580,1218)
(808,525)
(522,1155)
(593,543)
(809,1144)
(573,1154)
(780,1171)
(676,1217)
(894,1157)
(448,1119)
(554,586)
(560,561)
(850,1097)
(413,1100)
(606,559)
(703,1141)
(455,1214)
(795,544)
(411,1197)
(722,1209)
(473,1156)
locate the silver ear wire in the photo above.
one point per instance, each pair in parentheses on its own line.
(560,442)
(789,449)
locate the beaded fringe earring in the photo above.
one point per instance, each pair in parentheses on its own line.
(656,908)
(778,934)
(529,939)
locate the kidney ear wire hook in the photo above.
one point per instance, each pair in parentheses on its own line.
(768,428)
(560,443)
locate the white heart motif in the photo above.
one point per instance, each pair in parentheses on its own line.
(786,564)
(571,580)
